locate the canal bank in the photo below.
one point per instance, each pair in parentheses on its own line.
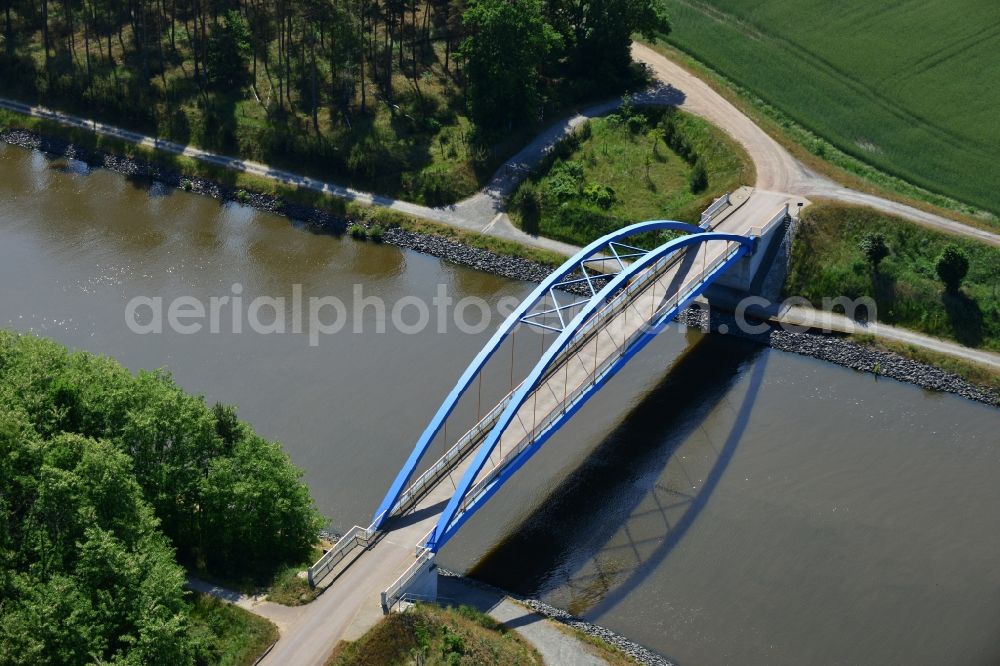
(829,347)
(76,244)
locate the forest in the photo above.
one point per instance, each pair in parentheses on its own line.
(112,486)
(418,98)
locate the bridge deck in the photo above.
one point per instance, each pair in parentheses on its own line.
(352,604)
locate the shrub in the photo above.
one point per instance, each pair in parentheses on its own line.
(874,247)
(527,201)
(243,197)
(636,123)
(952,267)
(186,184)
(375,233)
(357,231)
(699,178)
(565,181)
(602,195)
(436,188)
(581,222)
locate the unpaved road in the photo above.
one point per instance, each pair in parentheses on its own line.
(777,169)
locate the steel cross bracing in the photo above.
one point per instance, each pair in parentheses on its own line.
(619,252)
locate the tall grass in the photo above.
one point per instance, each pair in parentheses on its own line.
(620,170)
(827,262)
(227,635)
(432,635)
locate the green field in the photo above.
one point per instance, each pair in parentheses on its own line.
(619,170)
(827,263)
(908,86)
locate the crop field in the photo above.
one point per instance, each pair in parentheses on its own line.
(909,86)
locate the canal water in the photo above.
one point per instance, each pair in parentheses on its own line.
(717,501)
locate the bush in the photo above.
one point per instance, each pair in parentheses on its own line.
(699,178)
(952,267)
(375,233)
(565,181)
(874,247)
(602,195)
(527,202)
(436,188)
(356,231)
(581,221)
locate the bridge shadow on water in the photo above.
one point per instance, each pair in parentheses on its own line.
(607,527)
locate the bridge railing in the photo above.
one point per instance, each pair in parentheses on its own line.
(717,207)
(763,230)
(617,304)
(452,457)
(411,598)
(397,590)
(355,537)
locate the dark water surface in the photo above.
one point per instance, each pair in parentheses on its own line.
(750,506)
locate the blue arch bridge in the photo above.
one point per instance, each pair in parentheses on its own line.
(594,313)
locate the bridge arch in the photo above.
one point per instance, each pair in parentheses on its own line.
(455,514)
(606,245)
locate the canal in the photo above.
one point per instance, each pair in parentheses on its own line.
(746,506)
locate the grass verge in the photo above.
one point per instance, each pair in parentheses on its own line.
(820,154)
(827,262)
(432,635)
(227,635)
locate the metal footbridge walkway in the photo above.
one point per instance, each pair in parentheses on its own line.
(594,314)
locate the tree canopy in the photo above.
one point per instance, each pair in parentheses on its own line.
(145,62)
(873,245)
(504,53)
(952,267)
(517,51)
(106,481)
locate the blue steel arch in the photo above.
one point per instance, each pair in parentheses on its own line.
(452,518)
(571,265)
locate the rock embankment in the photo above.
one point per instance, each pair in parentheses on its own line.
(832,348)
(637,652)
(837,348)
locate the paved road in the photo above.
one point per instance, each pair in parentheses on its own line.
(284,617)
